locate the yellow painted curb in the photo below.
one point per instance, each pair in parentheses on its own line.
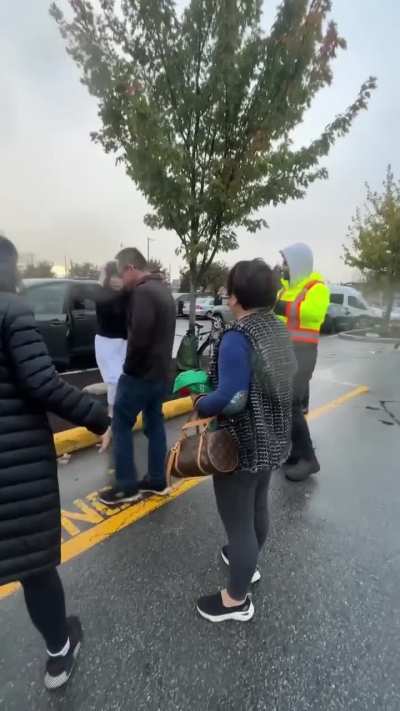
(80,438)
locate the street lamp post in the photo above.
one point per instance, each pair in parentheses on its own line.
(149,239)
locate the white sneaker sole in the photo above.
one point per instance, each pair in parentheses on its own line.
(243,616)
(256,575)
(125,500)
(56,682)
(164,492)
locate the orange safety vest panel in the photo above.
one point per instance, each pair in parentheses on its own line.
(292,317)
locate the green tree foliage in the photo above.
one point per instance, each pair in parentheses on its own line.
(200,107)
(375,239)
(41,270)
(211,281)
(84,270)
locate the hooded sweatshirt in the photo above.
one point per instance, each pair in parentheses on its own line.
(300,261)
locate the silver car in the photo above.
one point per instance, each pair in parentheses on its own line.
(222,311)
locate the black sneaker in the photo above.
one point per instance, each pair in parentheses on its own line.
(115,496)
(147,486)
(303,469)
(256,575)
(212,609)
(59,669)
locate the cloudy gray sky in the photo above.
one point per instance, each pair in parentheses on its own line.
(61,196)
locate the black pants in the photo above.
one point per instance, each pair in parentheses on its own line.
(44,597)
(242,501)
(306,355)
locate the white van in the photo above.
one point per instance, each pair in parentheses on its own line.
(348,309)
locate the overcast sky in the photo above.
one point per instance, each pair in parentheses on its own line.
(60,195)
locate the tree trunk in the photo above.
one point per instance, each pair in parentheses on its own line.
(389,307)
(193,289)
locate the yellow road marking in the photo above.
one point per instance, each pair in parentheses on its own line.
(334,404)
(83,541)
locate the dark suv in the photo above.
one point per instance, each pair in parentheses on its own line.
(65,314)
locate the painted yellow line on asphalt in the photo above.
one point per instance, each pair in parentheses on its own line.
(334,404)
(100,531)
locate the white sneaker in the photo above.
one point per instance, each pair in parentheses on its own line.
(256,575)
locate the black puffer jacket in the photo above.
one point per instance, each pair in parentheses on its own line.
(30,530)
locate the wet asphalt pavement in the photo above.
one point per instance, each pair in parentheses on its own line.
(326,634)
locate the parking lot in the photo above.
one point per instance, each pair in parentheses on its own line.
(326,634)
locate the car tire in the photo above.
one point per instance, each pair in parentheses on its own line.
(220,319)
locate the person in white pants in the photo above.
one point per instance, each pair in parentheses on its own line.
(111,337)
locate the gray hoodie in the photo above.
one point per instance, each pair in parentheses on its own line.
(300,260)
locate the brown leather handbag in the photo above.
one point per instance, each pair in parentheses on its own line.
(201,451)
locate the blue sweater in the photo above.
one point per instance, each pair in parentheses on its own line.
(234,374)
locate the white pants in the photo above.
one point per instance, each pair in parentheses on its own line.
(110,357)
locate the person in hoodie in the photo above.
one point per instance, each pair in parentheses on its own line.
(302,305)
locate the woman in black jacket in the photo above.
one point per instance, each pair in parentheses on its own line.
(30,521)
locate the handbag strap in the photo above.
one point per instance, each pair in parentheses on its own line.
(191,424)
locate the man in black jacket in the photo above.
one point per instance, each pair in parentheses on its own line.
(143,384)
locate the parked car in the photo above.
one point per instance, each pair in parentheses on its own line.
(347,310)
(65,316)
(222,311)
(204,307)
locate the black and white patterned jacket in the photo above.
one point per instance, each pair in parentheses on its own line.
(263,429)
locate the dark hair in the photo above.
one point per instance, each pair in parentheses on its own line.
(254,284)
(130,256)
(8,265)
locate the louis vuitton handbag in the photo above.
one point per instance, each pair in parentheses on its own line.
(202,450)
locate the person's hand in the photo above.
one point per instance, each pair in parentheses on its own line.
(105,441)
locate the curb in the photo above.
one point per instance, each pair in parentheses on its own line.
(80,438)
(361,336)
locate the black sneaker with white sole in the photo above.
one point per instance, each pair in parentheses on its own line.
(256,575)
(59,669)
(149,486)
(116,496)
(213,609)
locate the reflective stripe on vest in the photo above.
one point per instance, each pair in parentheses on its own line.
(292,313)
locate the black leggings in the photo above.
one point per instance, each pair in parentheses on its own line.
(242,501)
(44,597)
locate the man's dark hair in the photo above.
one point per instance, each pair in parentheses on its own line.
(254,284)
(130,256)
(8,265)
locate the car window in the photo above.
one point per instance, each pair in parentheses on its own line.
(337,299)
(45,300)
(357,303)
(81,301)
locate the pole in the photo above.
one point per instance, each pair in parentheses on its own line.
(149,239)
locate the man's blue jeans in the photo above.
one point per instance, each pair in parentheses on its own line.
(135,395)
